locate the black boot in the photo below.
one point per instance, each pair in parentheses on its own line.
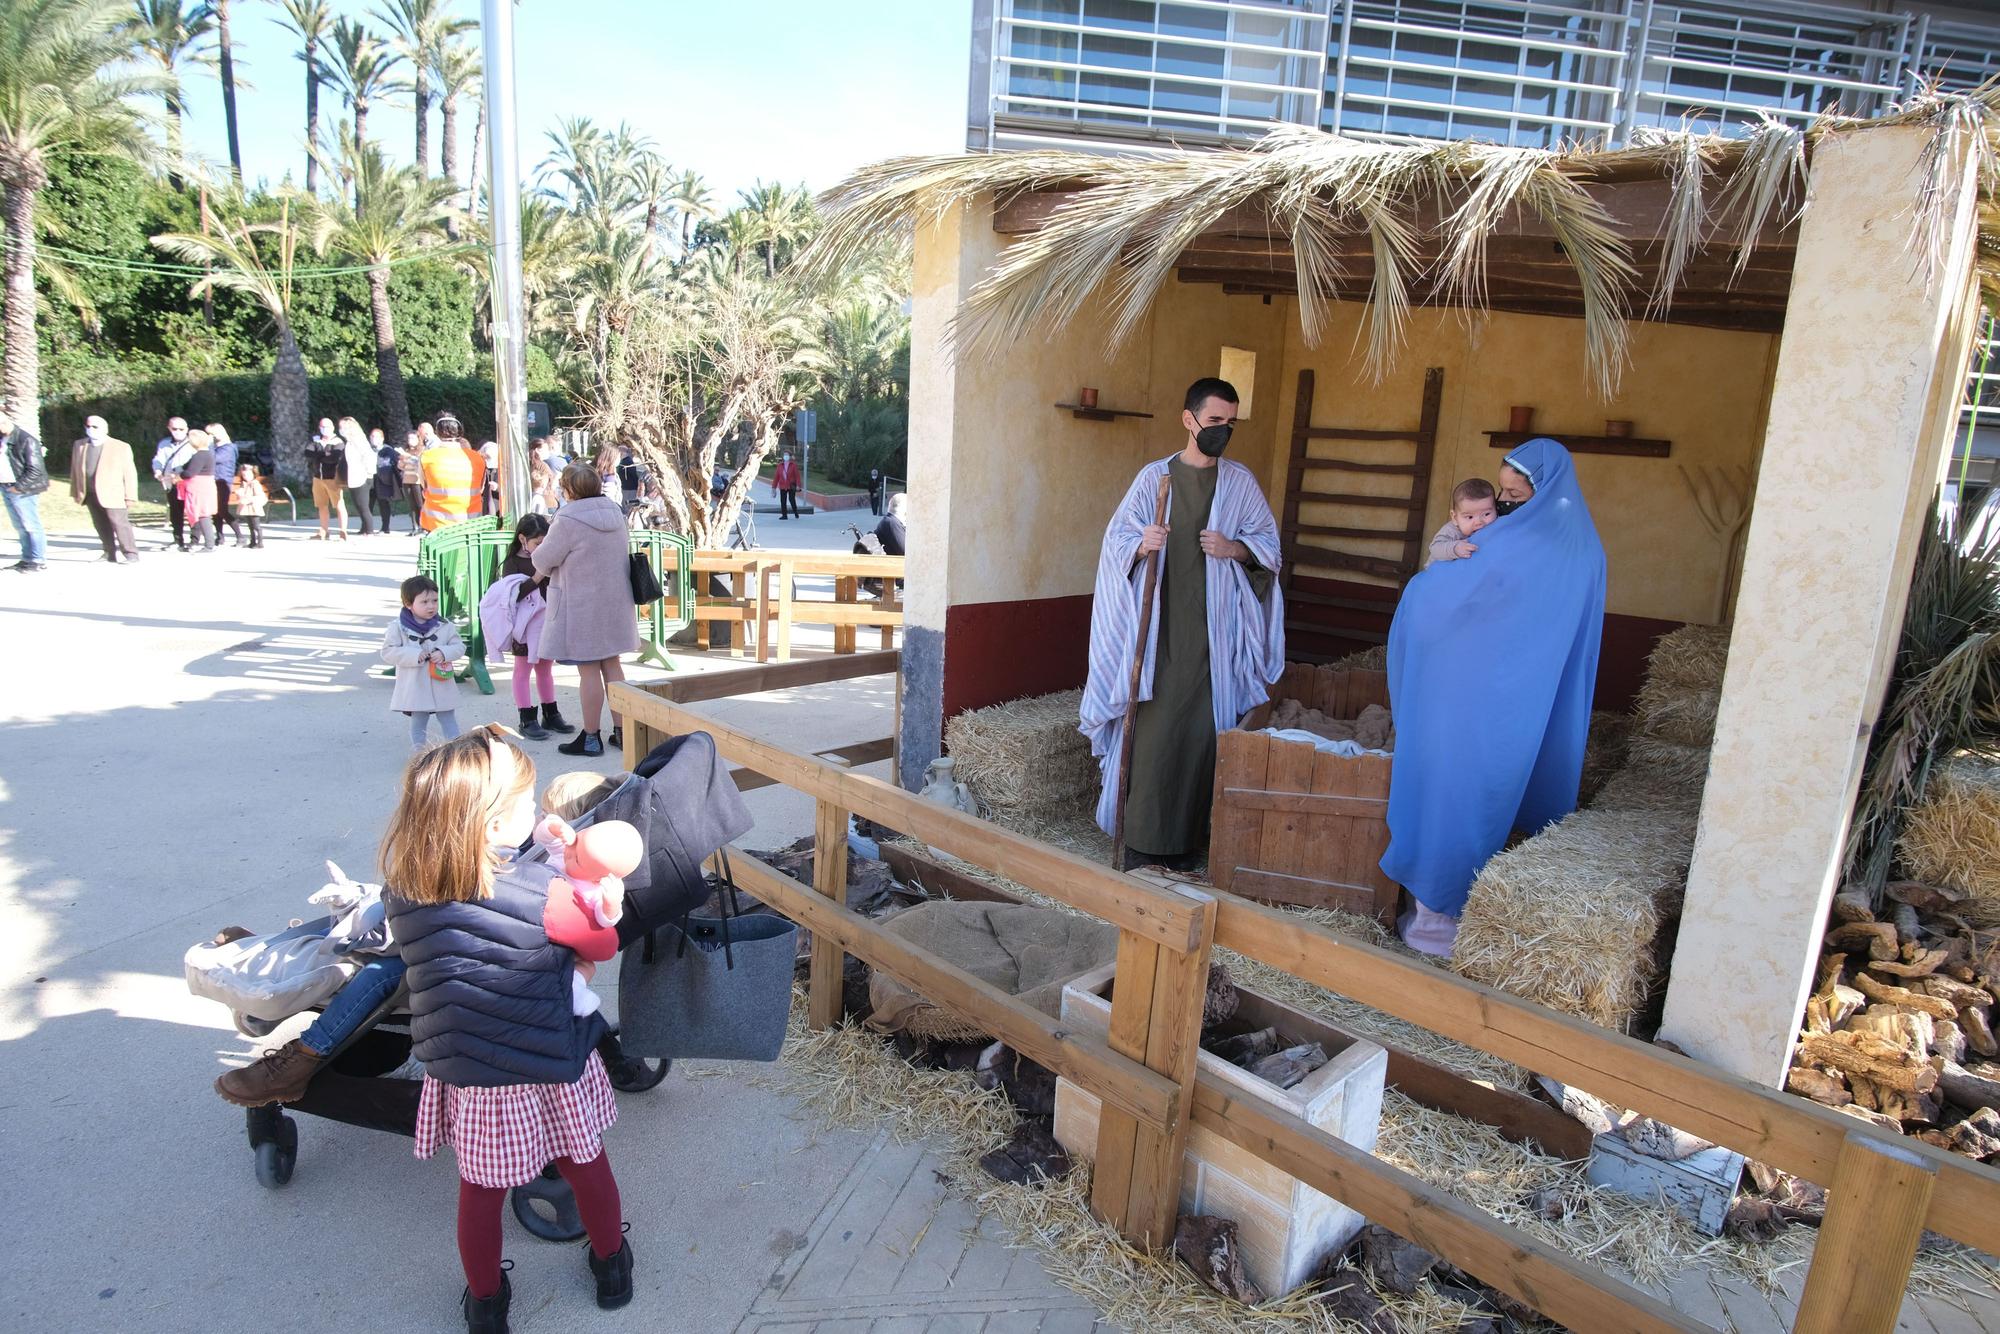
(553,721)
(585,743)
(617,738)
(614,1276)
(531,729)
(488,1315)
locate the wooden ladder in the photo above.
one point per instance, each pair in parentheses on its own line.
(1298,480)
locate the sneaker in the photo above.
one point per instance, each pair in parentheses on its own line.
(488,1315)
(281,1076)
(553,721)
(585,743)
(614,1275)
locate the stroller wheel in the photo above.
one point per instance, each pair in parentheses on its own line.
(547,1207)
(274,1165)
(637,1074)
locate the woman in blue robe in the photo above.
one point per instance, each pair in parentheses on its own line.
(1492,665)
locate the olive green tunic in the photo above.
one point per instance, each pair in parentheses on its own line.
(1173,735)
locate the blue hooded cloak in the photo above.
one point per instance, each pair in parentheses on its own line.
(1492,664)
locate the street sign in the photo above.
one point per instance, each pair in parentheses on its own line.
(806,426)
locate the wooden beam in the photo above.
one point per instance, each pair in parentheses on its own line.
(1789,1133)
(826,976)
(1172,919)
(1558,1285)
(860,753)
(1122,1082)
(783,676)
(1861,1262)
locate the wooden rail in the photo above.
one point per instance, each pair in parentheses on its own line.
(765,603)
(1883,1189)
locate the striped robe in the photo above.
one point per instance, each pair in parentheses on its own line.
(1246,635)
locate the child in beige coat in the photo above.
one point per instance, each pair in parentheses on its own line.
(422,646)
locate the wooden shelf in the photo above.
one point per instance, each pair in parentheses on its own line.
(1098,414)
(1630,445)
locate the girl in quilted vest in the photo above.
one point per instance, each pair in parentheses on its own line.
(512,1079)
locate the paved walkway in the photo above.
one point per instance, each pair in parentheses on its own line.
(184,743)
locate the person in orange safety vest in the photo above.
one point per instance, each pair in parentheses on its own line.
(454,476)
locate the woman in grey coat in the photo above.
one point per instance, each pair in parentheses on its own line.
(591,619)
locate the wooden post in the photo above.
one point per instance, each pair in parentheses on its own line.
(762,575)
(1874,1218)
(786,574)
(1156,1005)
(845,589)
(739,635)
(829,965)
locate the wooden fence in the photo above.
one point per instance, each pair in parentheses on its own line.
(764,599)
(1884,1190)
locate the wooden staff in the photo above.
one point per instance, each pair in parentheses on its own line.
(1132,683)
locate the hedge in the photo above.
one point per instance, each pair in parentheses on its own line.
(242,403)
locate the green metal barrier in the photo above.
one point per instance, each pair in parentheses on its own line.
(464,558)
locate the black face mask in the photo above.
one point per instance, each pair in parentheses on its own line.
(1212,440)
(1506,507)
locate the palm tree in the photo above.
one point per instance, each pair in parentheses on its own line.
(396,213)
(652,184)
(690,200)
(422,29)
(178,35)
(550,249)
(311,21)
(67,83)
(364,69)
(233,248)
(220,10)
(780,218)
(618,272)
(458,73)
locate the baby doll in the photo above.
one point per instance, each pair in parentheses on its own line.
(592,862)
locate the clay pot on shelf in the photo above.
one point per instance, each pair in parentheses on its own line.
(1520,420)
(1086,398)
(1618,428)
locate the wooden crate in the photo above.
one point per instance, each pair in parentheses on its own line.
(1294,825)
(1286,1227)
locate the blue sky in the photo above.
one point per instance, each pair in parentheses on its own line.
(785,90)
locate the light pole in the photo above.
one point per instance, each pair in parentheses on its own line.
(503,205)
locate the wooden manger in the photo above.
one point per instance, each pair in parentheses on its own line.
(1295,825)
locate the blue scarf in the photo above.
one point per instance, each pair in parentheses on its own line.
(421,629)
(1492,665)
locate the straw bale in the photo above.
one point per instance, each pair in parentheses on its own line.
(1952,837)
(1638,788)
(1671,760)
(1604,753)
(1366,660)
(1571,918)
(1677,713)
(1025,759)
(1691,658)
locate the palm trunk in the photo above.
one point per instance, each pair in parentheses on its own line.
(360,125)
(24,364)
(687,234)
(423,107)
(388,366)
(312,118)
(290,404)
(652,226)
(228,88)
(448,150)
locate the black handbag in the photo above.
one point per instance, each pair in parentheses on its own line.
(713,988)
(645,580)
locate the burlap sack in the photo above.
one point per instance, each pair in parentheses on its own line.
(1025,951)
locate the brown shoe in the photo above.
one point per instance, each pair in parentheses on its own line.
(281,1076)
(231,933)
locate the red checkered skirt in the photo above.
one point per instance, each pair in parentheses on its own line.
(505,1136)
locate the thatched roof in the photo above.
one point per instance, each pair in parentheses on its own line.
(1682,227)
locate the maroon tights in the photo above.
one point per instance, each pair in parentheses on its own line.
(479,1219)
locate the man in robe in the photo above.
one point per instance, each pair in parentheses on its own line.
(1214,645)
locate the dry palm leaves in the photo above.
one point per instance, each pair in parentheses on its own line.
(1952,837)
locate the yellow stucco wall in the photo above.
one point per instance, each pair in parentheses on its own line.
(1028,488)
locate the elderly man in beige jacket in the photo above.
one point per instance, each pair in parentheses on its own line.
(103,478)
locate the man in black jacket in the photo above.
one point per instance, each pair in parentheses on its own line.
(23,478)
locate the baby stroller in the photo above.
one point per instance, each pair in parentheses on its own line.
(685,806)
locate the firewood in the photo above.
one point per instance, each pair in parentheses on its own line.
(1817,1018)
(1919,963)
(1967,1089)
(1977,1135)
(1924,898)
(1912,1109)
(1948,1040)
(1843,1004)
(1810,1083)
(1209,1247)
(1881,991)
(1831,967)
(1951,990)
(1851,905)
(1876,939)
(1978,1032)
(1888,1123)
(1914,1032)
(1907,926)
(1870,1057)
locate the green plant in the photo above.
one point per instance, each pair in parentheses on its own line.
(1944,695)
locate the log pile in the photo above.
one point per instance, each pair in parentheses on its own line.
(1899,1030)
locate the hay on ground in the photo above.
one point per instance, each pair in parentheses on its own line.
(1604,753)
(1671,761)
(1690,658)
(1683,714)
(1025,760)
(1952,837)
(1366,660)
(1571,918)
(1638,788)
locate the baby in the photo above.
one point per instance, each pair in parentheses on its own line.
(1472,508)
(592,860)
